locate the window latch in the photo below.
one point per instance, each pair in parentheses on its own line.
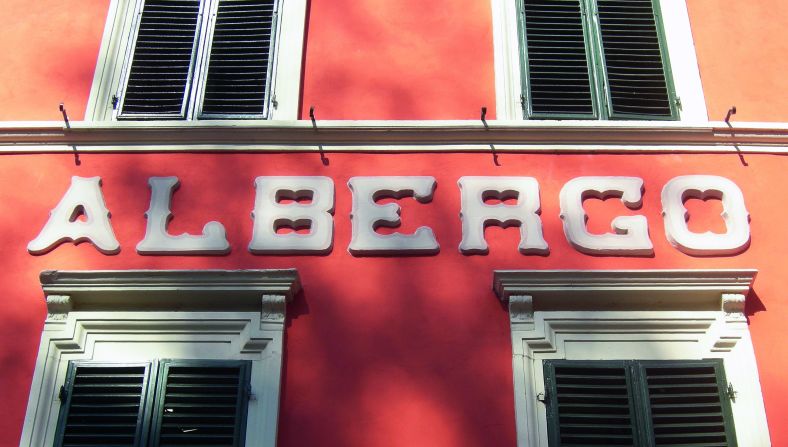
(731,392)
(249,394)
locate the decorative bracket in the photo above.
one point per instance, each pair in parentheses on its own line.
(733,303)
(58,307)
(273,310)
(521,309)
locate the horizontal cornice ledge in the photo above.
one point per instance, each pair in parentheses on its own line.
(622,289)
(393,136)
(219,290)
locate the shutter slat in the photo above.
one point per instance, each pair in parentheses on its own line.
(240,49)
(175,22)
(630,42)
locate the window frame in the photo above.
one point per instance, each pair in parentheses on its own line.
(141,315)
(664,315)
(680,55)
(113,65)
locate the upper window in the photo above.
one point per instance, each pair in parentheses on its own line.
(594,59)
(199,59)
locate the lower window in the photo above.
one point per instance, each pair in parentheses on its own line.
(633,357)
(167,402)
(100,377)
(638,403)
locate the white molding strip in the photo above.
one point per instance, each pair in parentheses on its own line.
(394,136)
(167,289)
(616,289)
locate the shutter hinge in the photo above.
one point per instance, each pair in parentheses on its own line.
(677,101)
(731,392)
(274,102)
(115,100)
(541,397)
(63,394)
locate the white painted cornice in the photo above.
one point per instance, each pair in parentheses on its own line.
(204,290)
(394,136)
(621,289)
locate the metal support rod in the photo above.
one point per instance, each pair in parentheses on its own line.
(62,108)
(731,111)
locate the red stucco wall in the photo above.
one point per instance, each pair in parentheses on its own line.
(382,351)
(408,59)
(741,49)
(48,52)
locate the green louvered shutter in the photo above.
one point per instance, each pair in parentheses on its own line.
(633,59)
(589,403)
(558,83)
(103,405)
(162,62)
(239,65)
(638,403)
(689,405)
(201,403)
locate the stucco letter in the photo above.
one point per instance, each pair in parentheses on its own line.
(476,214)
(83,197)
(630,233)
(158,242)
(737,225)
(368,215)
(270,214)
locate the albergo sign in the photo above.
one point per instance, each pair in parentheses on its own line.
(630,236)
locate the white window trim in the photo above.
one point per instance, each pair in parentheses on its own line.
(630,314)
(681,52)
(144,315)
(118,33)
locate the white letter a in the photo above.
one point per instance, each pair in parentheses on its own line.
(83,197)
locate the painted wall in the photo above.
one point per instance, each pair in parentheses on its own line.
(741,49)
(383,351)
